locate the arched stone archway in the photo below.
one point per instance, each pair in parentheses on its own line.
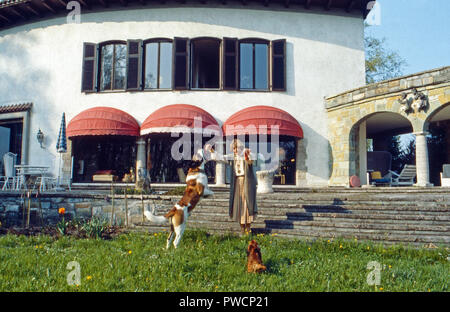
(438,126)
(414,98)
(441,113)
(379,127)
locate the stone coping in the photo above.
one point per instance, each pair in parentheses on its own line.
(318,190)
(422,79)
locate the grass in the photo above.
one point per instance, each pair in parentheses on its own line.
(139,262)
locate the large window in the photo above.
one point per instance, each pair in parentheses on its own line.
(158,65)
(250,64)
(254,65)
(164,168)
(113,66)
(205,59)
(10,139)
(116,154)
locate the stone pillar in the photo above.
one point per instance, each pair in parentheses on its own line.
(422,163)
(362,146)
(66,164)
(141,161)
(220,167)
(300,164)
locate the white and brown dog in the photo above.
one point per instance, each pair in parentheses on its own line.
(196,188)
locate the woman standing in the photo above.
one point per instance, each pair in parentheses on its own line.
(242,203)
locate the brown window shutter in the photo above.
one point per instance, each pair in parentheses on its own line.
(89,68)
(180,65)
(134,65)
(279,65)
(230,63)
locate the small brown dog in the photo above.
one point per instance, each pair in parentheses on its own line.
(254,259)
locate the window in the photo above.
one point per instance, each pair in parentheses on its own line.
(205,63)
(165,168)
(113,58)
(254,65)
(11,139)
(250,64)
(158,65)
(116,154)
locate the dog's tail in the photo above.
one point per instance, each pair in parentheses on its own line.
(149,214)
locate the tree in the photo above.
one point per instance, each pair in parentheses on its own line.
(409,153)
(381,63)
(394,147)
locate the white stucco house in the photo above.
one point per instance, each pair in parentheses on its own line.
(131,70)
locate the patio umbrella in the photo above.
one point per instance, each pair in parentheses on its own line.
(61,145)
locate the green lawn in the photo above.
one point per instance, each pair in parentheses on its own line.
(139,262)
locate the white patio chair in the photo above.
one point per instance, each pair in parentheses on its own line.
(406,177)
(45,183)
(445,175)
(9,179)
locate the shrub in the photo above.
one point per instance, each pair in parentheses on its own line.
(95,227)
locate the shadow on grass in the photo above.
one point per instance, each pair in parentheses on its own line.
(273,266)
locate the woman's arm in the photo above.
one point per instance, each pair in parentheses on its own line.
(218,157)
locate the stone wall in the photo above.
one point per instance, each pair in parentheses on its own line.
(347,110)
(13,205)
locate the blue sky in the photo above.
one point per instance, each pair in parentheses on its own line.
(418,30)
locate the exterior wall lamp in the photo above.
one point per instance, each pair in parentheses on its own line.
(40,137)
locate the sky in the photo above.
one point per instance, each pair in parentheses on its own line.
(418,30)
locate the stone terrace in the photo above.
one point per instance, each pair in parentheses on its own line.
(415,216)
(347,110)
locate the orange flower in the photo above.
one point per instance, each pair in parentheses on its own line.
(62,211)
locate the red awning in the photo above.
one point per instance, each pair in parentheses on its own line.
(103,121)
(179,118)
(255,119)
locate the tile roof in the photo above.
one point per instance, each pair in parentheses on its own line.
(12,108)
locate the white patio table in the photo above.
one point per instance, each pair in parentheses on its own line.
(26,171)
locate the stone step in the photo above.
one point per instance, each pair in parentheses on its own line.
(356,219)
(327,227)
(328,209)
(393,197)
(417,236)
(299,203)
(426,229)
